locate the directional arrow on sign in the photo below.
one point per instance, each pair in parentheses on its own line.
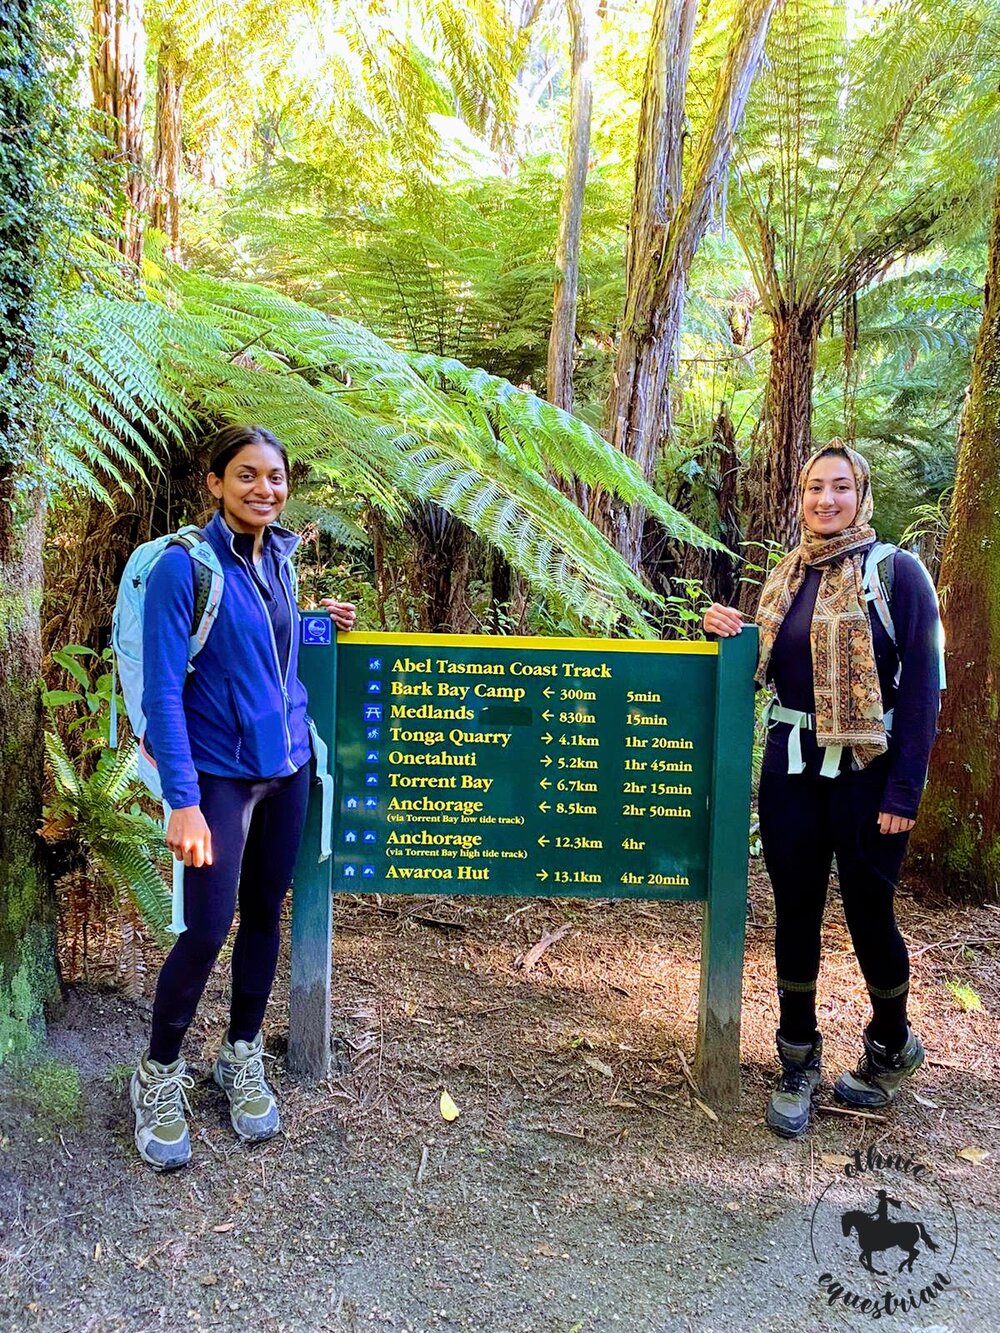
(544,807)
(548,693)
(546,759)
(547,716)
(542,875)
(545,783)
(547,738)
(543,841)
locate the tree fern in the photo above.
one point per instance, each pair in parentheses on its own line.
(99,815)
(840,167)
(459,268)
(367,420)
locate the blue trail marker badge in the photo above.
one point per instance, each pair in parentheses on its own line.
(317,630)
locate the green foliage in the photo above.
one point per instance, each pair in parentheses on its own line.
(964,995)
(898,390)
(109,401)
(94,693)
(47,1090)
(95,811)
(42,157)
(458,268)
(389,84)
(839,169)
(375,424)
(102,815)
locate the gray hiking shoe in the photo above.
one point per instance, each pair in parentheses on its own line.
(158,1094)
(239,1072)
(878,1076)
(790,1108)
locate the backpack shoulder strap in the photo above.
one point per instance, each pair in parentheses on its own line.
(209,581)
(876,580)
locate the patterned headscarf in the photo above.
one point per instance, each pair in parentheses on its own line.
(845,676)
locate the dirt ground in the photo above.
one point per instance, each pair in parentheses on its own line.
(583,1187)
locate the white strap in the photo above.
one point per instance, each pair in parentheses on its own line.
(177,924)
(799,722)
(325,778)
(832,755)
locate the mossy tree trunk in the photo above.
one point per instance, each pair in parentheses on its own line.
(37,91)
(957,834)
(27,945)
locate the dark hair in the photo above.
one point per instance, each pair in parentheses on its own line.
(227,443)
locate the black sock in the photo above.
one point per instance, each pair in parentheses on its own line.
(797,1009)
(888,1026)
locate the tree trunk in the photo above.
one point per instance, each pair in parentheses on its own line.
(117,74)
(562,336)
(37,149)
(439,569)
(667,223)
(772,505)
(170,73)
(27,922)
(669,563)
(958,833)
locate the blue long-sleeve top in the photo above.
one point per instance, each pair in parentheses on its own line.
(241,712)
(914,702)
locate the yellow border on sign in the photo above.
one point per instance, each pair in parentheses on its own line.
(526,644)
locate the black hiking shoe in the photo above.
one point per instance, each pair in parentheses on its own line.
(790,1108)
(878,1076)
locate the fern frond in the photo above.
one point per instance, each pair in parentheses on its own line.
(116,771)
(64,773)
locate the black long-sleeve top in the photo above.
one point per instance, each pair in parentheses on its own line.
(915,702)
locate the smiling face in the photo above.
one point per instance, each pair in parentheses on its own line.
(830,499)
(253,488)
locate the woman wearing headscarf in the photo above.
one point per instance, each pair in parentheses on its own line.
(850,732)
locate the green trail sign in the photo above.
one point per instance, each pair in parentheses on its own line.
(531,766)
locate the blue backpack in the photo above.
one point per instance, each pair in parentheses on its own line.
(876,580)
(126,628)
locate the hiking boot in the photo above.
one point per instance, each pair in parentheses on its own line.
(790,1108)
(158,1094)
(239,1072)
(877,1078)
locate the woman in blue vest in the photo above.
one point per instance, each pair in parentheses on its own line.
(849,737)
(232,745)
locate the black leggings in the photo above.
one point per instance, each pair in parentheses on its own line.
(804,822)
(256,830)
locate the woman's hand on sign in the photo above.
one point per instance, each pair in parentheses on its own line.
(343,614)
(894,823)
(189,837)
(723,620)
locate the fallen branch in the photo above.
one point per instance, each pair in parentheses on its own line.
(687,1074)
(549,937)
(857,1115)
(578,1135)
(418,917)
(424,1153)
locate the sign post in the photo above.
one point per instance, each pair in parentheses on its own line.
(531,767)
